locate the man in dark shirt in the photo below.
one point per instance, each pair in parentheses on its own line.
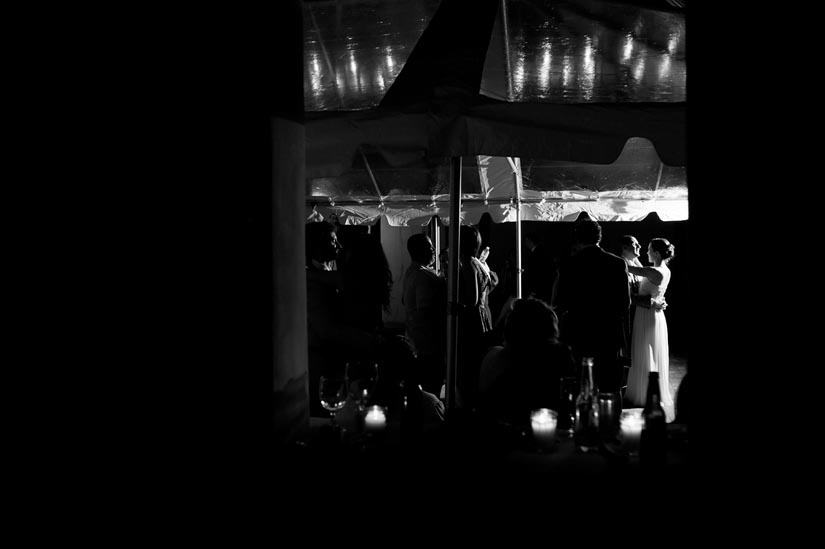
(592,296)
(539,269)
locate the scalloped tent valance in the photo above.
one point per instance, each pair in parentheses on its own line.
(630,188)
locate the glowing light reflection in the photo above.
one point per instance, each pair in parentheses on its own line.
(390,60)
(518,75)
(627,51)
(589,61)
(588,70)
(315,75)
(339,81)
(566,70)
(664,68)
(673,43)
(544,67)
(639,69)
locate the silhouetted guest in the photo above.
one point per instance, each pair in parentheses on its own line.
(444,262)
(425,304)
(332,339)
(503,296)
(591,297)
(474,318)
(367,282)
(526,372)
(539,269)
(398,388)
(682,402)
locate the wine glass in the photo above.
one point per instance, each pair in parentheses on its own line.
(333,394)
(361,377)
(567,406)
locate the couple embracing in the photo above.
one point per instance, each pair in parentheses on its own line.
(592,297)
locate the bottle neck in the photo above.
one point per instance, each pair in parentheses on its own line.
(586,386)
(654,395)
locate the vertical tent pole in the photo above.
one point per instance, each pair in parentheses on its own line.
(516,167)
(452,280)
(658,179)
(372,175)
(508,70)
(656,188)
(518,235)
(435,230)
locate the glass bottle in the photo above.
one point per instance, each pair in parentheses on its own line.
(653,443)
(411,423)
(586,431)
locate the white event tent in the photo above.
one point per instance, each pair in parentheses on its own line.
(526,109)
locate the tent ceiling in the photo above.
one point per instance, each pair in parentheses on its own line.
(581,102)
(585,51)
(354,50)
(582,51)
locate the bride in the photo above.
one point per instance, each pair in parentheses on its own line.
(649,347)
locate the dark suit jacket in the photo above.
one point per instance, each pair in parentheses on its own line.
(592,296)
(539,274)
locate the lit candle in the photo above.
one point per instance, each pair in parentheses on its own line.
(376,419)
(543,422)
(631,424)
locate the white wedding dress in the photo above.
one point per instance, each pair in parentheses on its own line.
(649,351)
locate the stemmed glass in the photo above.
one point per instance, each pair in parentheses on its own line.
(567,406)
(361,378)
(333,394)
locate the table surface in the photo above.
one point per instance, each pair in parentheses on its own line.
(469,449)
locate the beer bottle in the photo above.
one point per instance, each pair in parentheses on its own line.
(586,431)
(653,443)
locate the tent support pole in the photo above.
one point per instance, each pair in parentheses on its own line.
(518,243)
(452,280)
(435,230)
(509,70)
(516,167)
(369,171)
(658,179)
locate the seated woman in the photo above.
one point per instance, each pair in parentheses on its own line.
(526,372)
(398,386)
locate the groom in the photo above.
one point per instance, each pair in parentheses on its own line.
(592,296)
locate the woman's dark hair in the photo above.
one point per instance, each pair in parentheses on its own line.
(397,365)
(397,359)
(664,248)
(317,240)
(536,362)
(469,241)
(531,321)
(420,247)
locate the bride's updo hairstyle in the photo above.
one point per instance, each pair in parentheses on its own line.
(664,248)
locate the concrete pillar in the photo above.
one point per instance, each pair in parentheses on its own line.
(288,335)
